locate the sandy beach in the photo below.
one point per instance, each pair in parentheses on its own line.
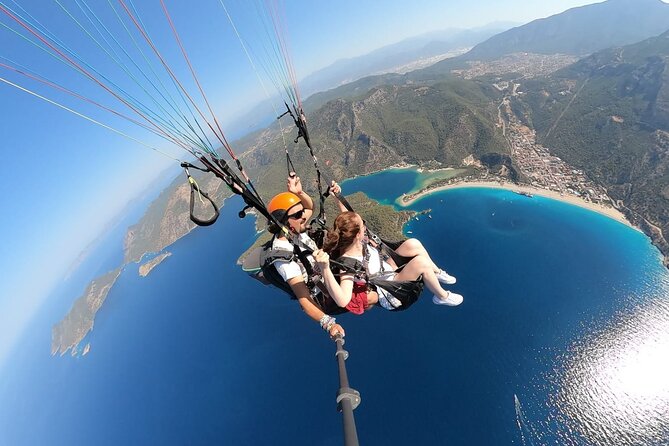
(567,198)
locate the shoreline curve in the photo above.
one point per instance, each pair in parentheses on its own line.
(607,211)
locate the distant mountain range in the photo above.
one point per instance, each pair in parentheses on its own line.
(390,58)
(581,31)
(406,55)
(577,31)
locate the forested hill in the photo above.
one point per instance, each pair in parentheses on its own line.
(609,114)
(443,123)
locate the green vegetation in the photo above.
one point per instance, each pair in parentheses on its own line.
(444,122)
(438,177)
(382,219)
(608,115)
(435,125)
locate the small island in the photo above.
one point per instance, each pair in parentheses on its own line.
(165,221)
(146,268)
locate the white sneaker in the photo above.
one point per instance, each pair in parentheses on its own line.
(445,278)
(452,300)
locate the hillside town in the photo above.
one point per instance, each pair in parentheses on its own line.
(536,165)
(526,65)
(539,166)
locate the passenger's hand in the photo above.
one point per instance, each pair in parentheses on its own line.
(335,188)
(337,329)
(322,259)
(294,184)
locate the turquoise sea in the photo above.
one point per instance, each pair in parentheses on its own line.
(561,340)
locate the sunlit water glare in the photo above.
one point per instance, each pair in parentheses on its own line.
(614,386)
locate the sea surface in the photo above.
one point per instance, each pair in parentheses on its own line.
(562,339)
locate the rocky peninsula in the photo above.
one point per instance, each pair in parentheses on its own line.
(79,321)
(146,268)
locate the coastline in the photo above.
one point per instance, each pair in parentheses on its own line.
(607,211)
(398,166)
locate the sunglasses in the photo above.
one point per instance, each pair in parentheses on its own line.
(297,215)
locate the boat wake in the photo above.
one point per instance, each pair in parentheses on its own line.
(527,432)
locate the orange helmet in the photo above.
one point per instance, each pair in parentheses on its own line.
(282,203)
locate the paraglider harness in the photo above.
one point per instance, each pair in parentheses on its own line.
(405,291)
(263,267)
(267,273)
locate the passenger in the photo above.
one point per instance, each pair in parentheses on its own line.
(348,240)
(294,209)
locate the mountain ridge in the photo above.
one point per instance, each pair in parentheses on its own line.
(581,30)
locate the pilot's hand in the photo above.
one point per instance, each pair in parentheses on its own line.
(335,330)
(335,188)
(294,184)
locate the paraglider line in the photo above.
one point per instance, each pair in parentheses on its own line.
(86,118)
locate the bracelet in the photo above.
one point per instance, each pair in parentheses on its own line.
(327,322)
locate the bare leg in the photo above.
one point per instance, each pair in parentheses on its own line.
(422,265)
(413,247)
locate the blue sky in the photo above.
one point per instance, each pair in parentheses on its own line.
(65,178)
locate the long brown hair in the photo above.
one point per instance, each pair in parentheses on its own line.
(343,234)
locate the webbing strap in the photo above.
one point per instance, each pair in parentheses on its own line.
(289,164)
(304,260)
(194,187)
(297,114)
